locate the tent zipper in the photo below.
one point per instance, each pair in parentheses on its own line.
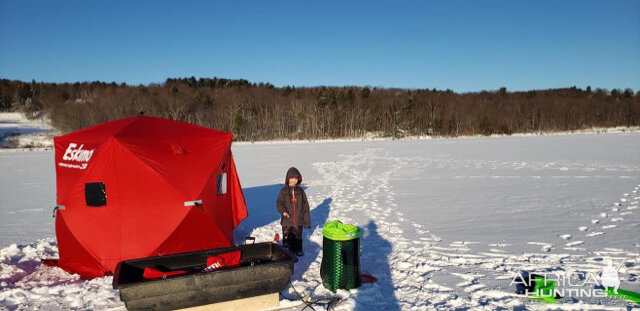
(294,201)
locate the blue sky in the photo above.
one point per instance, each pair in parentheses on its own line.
(461,45)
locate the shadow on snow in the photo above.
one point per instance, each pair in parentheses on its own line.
(261,203)
(374,260)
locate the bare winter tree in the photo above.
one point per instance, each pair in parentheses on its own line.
(261,111)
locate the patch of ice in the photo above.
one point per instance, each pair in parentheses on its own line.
(498,245)
(576,243)
(575,249)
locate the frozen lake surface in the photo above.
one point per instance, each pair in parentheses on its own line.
(447,223)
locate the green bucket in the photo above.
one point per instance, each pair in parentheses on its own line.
(340,266)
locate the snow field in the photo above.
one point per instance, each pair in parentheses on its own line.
(359,185)
(445,223)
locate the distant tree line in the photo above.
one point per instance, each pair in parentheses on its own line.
(260,111)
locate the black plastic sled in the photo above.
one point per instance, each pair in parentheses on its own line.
(264,268)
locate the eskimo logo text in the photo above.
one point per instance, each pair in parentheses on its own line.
(76,154)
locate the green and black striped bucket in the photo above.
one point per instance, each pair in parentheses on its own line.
(340,266)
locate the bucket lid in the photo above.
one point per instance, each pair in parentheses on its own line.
(337,231)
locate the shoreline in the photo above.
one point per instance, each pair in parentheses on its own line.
(592,131)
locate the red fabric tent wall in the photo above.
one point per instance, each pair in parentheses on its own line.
(150,167)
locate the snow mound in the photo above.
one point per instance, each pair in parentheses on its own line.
(18,131)
(27,284)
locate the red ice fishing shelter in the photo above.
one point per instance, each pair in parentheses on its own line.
(140,187)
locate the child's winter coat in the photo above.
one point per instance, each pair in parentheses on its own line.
(297,209)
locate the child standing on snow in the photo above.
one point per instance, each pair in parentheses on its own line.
(293,207)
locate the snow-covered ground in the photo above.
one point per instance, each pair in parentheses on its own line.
(447,223)
(17,131)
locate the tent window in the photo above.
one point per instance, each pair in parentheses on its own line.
(222,183)
(95,194)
